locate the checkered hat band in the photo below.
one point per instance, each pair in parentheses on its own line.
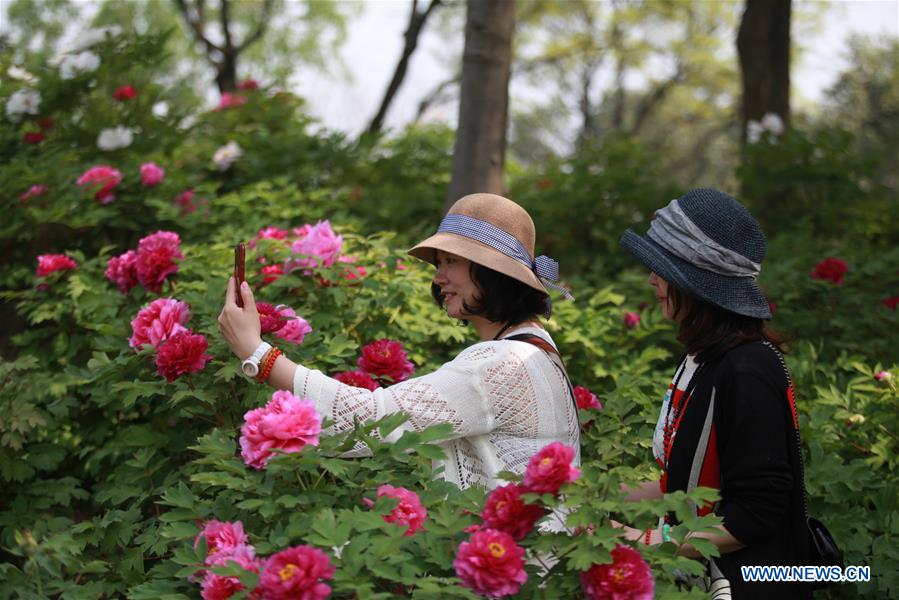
(674,231)
(502,241)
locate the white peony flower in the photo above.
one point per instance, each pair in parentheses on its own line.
(21,74)
(773,123)
(225,156)
(73,65)
(754,131)
(115,138)
(22,102)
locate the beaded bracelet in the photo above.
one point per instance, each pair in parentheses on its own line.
(268,364)
(648,534)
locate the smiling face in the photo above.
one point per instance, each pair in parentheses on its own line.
(662,296)
(453,277)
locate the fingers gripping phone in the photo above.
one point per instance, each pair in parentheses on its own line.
(239,274)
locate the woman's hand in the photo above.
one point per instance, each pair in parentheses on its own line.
(629,533)
(240,326)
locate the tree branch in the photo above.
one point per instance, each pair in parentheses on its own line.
(196,23)
(651,100)
(225,21)
(435,94)
(260,27)
(413,31)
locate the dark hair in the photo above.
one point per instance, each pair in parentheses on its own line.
(708,331)
(501,299)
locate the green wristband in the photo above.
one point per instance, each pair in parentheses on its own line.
(666,532)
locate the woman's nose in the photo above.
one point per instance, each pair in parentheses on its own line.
(440,276)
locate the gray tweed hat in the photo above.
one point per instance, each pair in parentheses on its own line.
(708,245)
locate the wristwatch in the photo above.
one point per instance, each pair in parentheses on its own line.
(250,366)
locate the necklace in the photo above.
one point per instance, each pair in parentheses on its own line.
(672,422)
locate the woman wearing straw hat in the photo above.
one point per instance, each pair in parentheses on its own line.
(728,420)
(506,397)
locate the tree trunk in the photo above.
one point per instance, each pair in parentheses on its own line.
(416,23)
(763,45)
(479,154)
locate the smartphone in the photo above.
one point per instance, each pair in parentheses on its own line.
(239,274)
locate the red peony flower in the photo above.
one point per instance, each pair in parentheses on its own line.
(409,510)
(296,574)
(491,564)
(359,379)
(126,92)
(286,423)
(45,123)
(248,84)
(269,317)
(505,511)
(184,200)
(151,174)
(184,352)
(229,100)
(883,376)
(891,303)
(103,177)
(218,587)
(158,321)
(33,192)
(586,400)
(271,273)
(627,578)
(772,307)
(386,359)
(33,137)
(156,256)
(631,319)
(550,469)
(122,271)
(50,263)
(831,269)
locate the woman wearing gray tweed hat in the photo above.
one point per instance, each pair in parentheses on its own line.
(507,397)
(728,418)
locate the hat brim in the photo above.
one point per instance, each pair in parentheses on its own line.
(740,295)
(476,252)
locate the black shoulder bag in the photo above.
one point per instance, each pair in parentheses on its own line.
(825,551)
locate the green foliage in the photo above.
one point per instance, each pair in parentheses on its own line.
(108,471)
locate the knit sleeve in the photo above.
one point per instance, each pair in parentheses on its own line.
(753,447)
(457,393)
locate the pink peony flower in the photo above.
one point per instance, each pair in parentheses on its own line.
(156,256)
(883,376)
(627,578)
(33,137)
(318,246)
(409,510)
(296,574)
(271,273)
(631,319)
(103,177)
(248,84)
(386,358)
(122,271)
(891,303)
(50,263)
(358,379)
(550,469)
(158,321)
(217,587)
(830,269)
(184,352)
(505,511)
(185,200)
(151,174)
(229,100)
(223,539)
(126,92)
(294,328)
(33,192)
(269,318)
(286,423)
(491,564)
(271,233)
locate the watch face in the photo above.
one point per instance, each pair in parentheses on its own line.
(249,369)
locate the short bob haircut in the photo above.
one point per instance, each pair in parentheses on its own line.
(708,331)
(502,299)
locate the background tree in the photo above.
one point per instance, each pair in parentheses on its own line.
(479,153)
(763,45)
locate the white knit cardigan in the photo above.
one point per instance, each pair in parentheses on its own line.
(505,400)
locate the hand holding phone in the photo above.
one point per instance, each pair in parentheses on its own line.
(239,274)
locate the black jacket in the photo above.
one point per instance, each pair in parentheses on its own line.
(760,478)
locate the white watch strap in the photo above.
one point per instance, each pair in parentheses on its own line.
(258,354)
